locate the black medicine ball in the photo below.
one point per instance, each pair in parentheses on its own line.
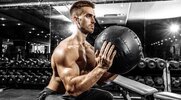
(128,46)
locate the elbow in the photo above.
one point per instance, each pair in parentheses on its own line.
(74,93)
(71,90)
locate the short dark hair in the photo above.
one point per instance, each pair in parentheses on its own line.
(79,4)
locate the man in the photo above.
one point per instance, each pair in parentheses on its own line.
(76,68)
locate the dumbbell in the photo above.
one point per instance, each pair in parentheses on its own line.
(40,62)
(35,79)
(27,78)
(46,64)
(44,80)
(17,77)
(175,82)
(1,71)
(3,79)
(149,81)
(158,81)
(18,63)
(25,64)
(151,63)
(11,63)
(10,79)
(174,64)
(40,77)
(142,63)
(30,63)
(35,62)
(160,63)
(4,61)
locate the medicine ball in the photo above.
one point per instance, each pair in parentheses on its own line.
(127,44)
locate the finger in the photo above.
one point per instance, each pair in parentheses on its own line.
(96,53)
(111,50)
(107,49)
(113,55)
(102,48)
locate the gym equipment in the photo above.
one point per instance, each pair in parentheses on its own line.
(151,63)
(142,63)
(47,64)
(134,86)
(158,81)
(127,44)
(149,81)
(174,64)
(175,82)
(167,96)
(160,63)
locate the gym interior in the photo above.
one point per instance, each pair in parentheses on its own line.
(31,29)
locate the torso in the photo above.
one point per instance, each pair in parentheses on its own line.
(85,60)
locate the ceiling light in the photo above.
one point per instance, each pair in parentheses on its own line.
(19,24)
(2,18)
(33,28)
(42,31)
(174,28)
(3,24)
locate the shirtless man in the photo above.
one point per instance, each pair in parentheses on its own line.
(76,68)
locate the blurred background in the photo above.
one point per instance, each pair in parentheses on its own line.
(30,30)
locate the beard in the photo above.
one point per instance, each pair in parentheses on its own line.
(86,31)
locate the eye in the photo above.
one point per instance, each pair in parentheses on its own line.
(88,15)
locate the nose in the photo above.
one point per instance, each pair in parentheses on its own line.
(93,20)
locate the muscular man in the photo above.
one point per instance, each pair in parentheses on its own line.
(76,68)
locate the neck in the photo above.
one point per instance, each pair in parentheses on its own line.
(80,37)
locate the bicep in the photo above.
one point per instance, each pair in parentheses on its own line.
(67,73)
(66,67)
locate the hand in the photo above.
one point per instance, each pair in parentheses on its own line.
(106,55)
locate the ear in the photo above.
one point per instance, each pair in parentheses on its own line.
(74,18)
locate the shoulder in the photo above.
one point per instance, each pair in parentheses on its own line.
(64,53)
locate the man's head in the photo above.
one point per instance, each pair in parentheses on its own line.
(77,7)
(83,15)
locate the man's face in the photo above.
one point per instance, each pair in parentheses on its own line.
(86,20)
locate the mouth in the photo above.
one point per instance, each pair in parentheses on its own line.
(92,27)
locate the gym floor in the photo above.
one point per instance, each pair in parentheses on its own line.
(18,94)
(22,94)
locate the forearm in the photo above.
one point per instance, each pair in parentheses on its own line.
(107,76)
(84,82)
